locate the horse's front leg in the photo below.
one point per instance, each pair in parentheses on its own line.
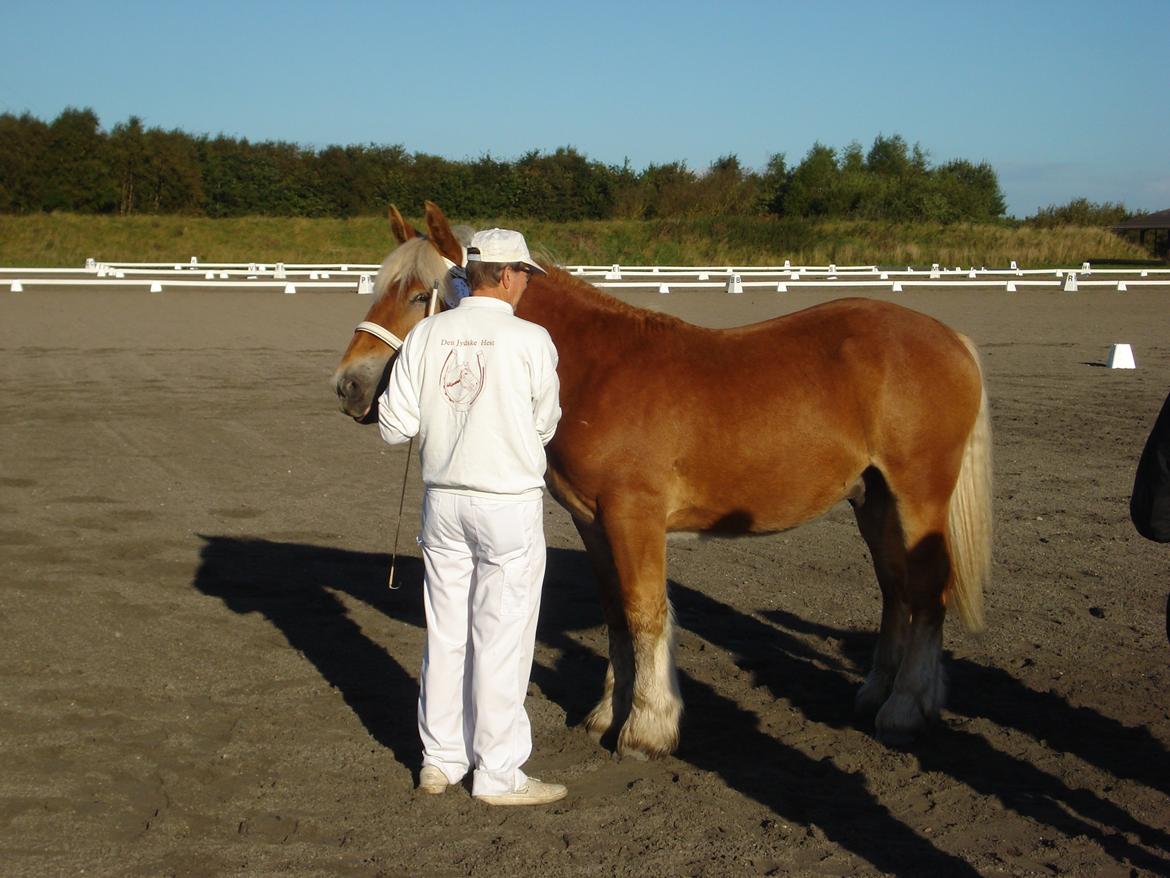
(637,543)
(610,713)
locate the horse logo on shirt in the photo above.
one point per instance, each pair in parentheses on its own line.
(462,380)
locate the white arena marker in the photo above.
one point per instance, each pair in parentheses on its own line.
(787,265)
(971,274)
(119,274)
(735,284)
(1070,282)
(664,288)
(194,260)
(290,289)
(614,273)
(781,287)
(704,276)
(156,287)
(1014,267)
(883,276)
(278,273)
(312,275)
(1121,357)
(1086,268)
(91,264)
(654,270)
(1145,274)
(324,275)
(934,272)
(897,288)
(365,288)
(210,275)
(1121,286)
(344,268)
(17,287)
(223,275)
(178,267)
(1011,286)
(795,275)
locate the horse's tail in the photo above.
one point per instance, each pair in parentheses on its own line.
(969,537)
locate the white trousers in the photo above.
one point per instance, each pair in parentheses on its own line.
(484,565)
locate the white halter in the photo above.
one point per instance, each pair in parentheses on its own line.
(385,335)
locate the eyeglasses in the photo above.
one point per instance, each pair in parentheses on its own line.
(524,268)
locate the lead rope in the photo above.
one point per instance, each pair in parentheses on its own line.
(431,307)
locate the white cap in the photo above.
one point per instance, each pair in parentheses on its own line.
(500,245)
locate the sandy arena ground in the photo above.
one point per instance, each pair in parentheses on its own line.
(204,674)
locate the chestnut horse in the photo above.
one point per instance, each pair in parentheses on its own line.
(668,426)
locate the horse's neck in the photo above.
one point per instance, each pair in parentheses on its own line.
(588,322)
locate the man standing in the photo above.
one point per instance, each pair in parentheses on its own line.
(479,387)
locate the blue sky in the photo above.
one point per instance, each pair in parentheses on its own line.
(1064,99)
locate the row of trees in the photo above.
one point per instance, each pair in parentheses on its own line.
(72,164)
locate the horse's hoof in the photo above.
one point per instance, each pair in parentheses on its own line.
(646,738)
(872,695)
(899,721)
(599,722)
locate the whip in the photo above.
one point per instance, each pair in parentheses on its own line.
(432,305)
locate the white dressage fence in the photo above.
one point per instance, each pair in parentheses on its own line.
(735,279)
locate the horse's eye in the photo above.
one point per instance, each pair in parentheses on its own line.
(421,298)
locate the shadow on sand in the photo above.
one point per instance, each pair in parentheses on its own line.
(293,585)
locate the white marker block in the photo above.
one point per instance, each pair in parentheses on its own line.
(1145,274)
(781,287)
(664,288)
(1070,282)
(1014,267)
(312,275)
(654,270)
(832,268)
(156,287)
(1059,273)
(896,288)
(795,275)
(344,268)
(253,268)
(1086,268)
(1121,357)
(971,274)
(735,284)
(883,276)
(17,287)
(704,276)
(1121,286)
(223,275)
(209,275)
(178,267)
(787,264)
(290,289)
(324,275)
(365,287)
(934,272)
(91,264)
(580,269)
(194,260)
(119,275)
(278,273)
(1011,286)
(262,268)
(614,273)
(102,271)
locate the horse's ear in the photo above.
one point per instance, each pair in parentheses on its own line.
(403,231)
(439,231)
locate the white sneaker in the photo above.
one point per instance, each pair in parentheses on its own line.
(432,781)
(534,792)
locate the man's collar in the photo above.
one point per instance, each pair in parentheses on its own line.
(474,301)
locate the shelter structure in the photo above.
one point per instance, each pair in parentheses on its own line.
(1156,224)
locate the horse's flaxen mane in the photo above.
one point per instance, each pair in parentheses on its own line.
(597,299)
(413,258)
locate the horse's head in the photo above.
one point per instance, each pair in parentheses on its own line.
(402,289)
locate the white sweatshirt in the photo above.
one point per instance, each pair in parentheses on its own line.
(479,387)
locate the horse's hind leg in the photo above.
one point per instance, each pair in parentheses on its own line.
(613,708)
(637,541)
(877,519)
(920,686)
